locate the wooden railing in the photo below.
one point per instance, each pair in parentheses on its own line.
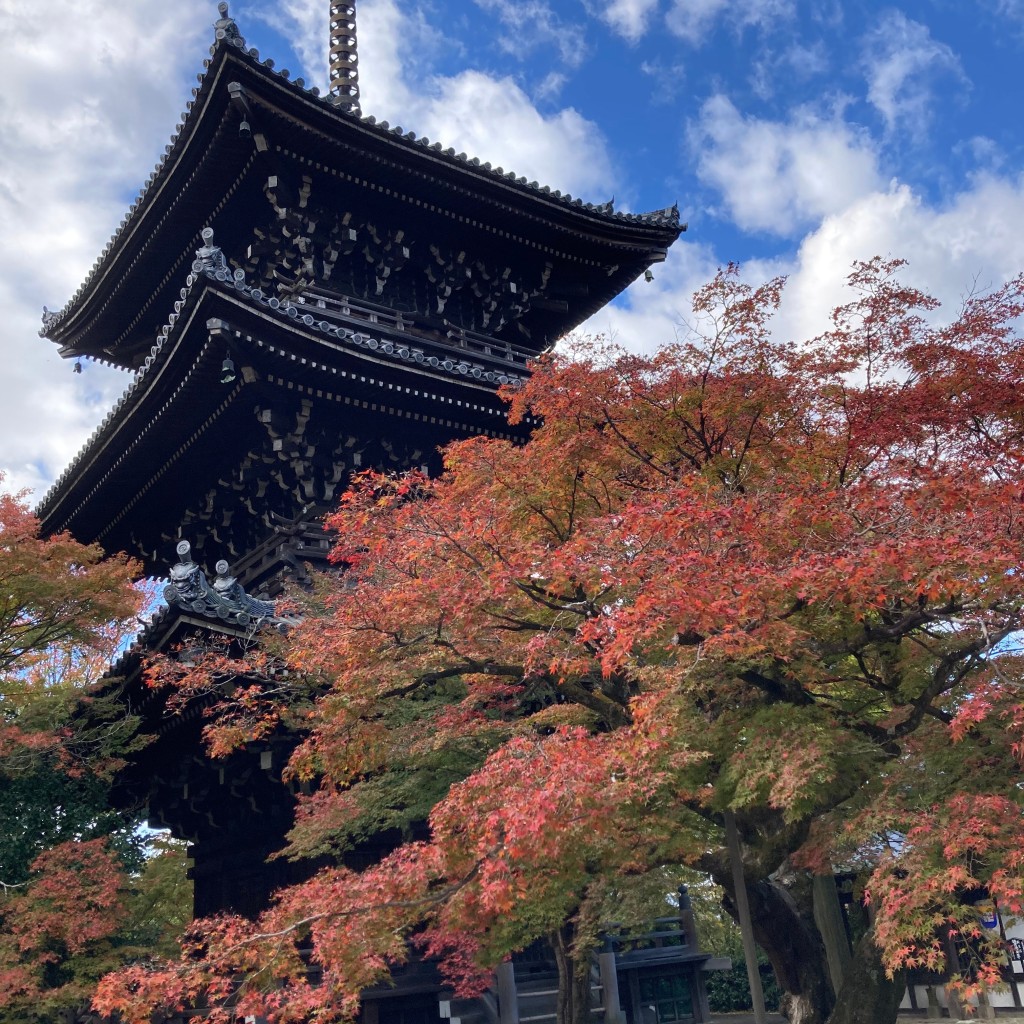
(340,308)
(667,932)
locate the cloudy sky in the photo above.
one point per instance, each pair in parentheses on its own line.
(795,136)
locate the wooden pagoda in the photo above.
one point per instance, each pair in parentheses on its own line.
(300,292)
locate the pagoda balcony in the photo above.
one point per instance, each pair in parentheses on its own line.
(444,337)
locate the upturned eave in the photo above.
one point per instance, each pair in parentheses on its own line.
(207,163)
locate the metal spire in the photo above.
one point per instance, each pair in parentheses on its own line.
(344,58)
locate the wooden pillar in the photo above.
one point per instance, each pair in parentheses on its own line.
(635,1006)
(688,923)
(732,839)
(610,988)
(703,1007)
(508,998)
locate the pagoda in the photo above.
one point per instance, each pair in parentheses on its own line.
(301,292)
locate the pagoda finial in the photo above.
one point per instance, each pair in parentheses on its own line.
(344,58)
(225,28)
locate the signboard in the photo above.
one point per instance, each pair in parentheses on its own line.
(987,914)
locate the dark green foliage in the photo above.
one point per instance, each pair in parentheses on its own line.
(41,806)
(159,900)
(729,991)
(409,764)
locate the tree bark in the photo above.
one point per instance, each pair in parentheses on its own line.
(784,926)
(573,977)
(782,915)
(828,916)
(867,996)
(783,923)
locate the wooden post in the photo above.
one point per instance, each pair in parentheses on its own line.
(687,920)
(732,839)
(508,998)
(610,987)
(688,924)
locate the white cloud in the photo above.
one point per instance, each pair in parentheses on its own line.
(971,243)
(901,63)
(984,152)
(694,20)
(780,176)
(668,79)
(530,24)
(1012,9)
(484,116)
(495,119)
(828,13)
(550,85)
(795,61)
(306,26)
(88,102)
(629,18)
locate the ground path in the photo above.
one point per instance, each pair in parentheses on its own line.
(904,1018)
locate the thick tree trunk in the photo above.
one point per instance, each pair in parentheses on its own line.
(573,978)
(828,916)
(782,911)
(783,922)
(784,926)
(867,996)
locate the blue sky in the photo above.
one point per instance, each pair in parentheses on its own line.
(795,137)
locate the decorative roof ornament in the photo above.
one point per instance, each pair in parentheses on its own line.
(225,28)
(49,319)
(344,59)
(229,590)
(209,257)
(226,600)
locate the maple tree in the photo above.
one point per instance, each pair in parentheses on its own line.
(80,914)
(64,611)
(54,591)
(742,573)
(71,866)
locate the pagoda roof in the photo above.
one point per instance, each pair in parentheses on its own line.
(209,163)
(125,488)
